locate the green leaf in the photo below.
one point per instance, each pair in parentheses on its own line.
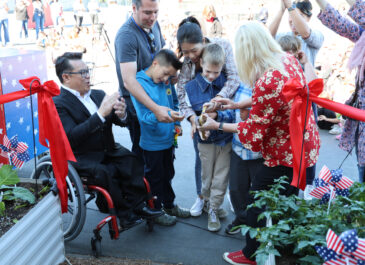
(8,176)
(2,208)
(311,259)
(253,232)
(15,220)
(244,229)
(24,194)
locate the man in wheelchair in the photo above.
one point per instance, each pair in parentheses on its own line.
(87,116)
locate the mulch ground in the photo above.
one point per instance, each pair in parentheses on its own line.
(89,260)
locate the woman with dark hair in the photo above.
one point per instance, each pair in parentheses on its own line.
(38,16)
(262,64)
(190,44)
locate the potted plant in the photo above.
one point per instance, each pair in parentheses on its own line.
(299,225)
(38,235)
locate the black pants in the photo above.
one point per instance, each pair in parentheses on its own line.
(265,176)
(159,171)
(134,129)
(122,177)
(241,174)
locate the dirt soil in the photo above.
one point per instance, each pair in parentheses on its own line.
(13,211)
(89,260)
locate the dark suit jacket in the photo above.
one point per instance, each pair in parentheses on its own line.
(90,138)
(97,154)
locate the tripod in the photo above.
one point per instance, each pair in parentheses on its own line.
(102,32)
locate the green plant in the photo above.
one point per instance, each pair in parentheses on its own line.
(12,193)
(299,225)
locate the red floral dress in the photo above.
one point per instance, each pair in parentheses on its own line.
(267,128)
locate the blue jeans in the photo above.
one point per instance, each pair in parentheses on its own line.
(5,24)
(39,24)
(198,166)
(24,26)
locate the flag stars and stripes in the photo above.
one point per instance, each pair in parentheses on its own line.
(13,83)
(21,120)
(8,125)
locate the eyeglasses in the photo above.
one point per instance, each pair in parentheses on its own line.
(151,41)
(84,73)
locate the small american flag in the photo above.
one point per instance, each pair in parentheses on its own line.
(340,181)
(325,174)
(344,249)
(17,151)
(353,245)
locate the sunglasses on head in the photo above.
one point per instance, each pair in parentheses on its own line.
(151,41)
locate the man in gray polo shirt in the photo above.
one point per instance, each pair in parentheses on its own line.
(300,14)
(136,43)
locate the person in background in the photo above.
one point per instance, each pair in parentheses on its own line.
(263,14)
(327,120)
(212,24)
(4,22)
(56,12)
(38,16)
(300,14)
(94,10)
(353,135)
(21,15)
(79,10)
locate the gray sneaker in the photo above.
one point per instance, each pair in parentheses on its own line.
(213,221)
(221,212)
(178,212)
(165,220)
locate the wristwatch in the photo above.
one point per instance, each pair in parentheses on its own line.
(293,6)
(220,128)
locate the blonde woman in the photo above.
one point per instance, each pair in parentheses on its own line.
(212,23)
(262,64)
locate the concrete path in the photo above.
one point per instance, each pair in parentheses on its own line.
(188,242)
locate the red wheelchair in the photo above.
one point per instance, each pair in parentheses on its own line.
(78,188)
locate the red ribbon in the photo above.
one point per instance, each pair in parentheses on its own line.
(293,89)
(50,128)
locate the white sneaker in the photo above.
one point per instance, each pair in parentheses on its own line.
(336,129)
(307,190)
(197,208)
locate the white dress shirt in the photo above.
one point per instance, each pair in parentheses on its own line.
(86,101)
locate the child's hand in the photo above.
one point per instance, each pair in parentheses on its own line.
(176,116)
(210,106)
(178,130)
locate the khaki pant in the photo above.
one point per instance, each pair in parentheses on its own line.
(215,168)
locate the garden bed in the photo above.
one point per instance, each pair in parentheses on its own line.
(15,210)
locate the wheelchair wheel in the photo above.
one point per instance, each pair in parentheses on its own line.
(74,219)
(96,246)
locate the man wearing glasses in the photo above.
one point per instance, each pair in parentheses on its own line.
(87,115)
(136,43)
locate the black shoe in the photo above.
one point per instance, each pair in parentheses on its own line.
(130,221)
(147,212)
(233,228)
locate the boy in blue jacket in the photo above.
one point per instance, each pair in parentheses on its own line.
(157,138)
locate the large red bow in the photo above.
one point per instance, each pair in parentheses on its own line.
(50,128)
(293,89)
